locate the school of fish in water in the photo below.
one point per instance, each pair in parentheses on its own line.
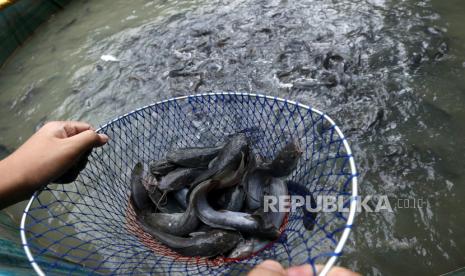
(208,201)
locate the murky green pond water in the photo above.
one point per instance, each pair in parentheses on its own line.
(390,72)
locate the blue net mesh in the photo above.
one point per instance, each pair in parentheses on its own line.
(89,227)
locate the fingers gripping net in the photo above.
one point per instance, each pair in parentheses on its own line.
(89,227)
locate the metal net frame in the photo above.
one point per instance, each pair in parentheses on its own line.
(89,227)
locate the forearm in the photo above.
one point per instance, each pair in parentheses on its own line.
(14,186)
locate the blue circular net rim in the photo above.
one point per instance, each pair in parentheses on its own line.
(354,198)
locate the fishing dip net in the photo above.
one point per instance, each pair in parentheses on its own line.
(89,226)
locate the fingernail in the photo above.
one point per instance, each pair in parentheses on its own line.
(104,137)
(300,270)
(272,265)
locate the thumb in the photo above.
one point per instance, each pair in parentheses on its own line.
(268,268)
(301,270)
(87,140)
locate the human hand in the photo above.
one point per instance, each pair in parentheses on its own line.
(55,153)
(272,268)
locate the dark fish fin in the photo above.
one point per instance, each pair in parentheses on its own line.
(309,218)
(262,218)
(267,229)
(263,167)
(258,214)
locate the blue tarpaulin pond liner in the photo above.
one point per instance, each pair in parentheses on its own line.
(19,19)
(90,226)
